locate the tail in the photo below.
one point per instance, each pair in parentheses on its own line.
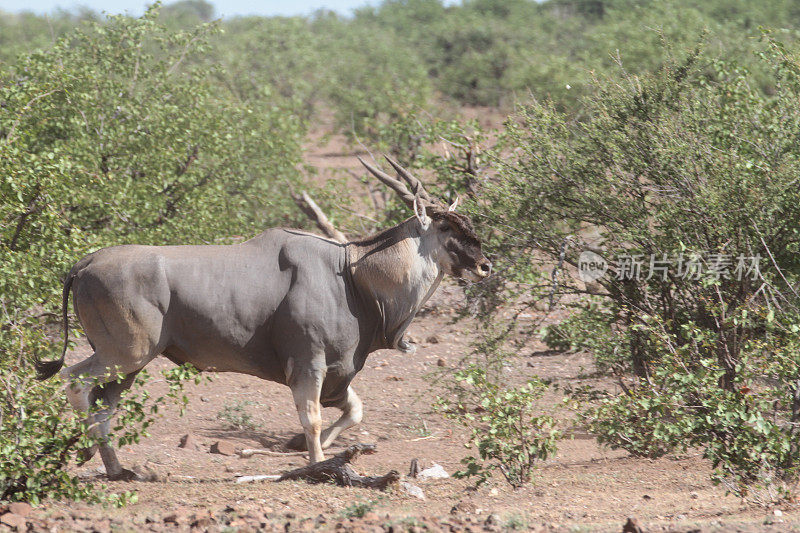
(48,369)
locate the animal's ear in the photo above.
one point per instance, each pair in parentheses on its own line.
(453,205)
(419,212)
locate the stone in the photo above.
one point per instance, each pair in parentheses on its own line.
(436,471)
(432,339)
(777,512)
(201,519)
(223,447)
(14,521)
(493,520)
(172,518)
(20,508)
(441,362)
(189,442)
(412,490)
(631,526)
(466,507)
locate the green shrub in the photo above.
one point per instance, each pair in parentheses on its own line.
(505,430)
(591,328)
(237,416)
(689,166)
(748,431)
(37,440)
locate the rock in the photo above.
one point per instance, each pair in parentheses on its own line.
(145,473)
(494,492)
(371,516)
(463,507)
(412,490)
(202,519)
(441,362)
(694,495)
(189,442)
(434,472)
(223,447)
(14,521)
(414,469)
(432,339)
(20,508)
(102,526)
(631,526)
(777,512)
(493,520)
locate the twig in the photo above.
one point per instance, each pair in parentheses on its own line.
(251,452)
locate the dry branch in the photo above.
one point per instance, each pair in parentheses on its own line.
(308,206)
(338,470)
(244,454)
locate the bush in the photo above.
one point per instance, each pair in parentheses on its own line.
(590,328)
(37,440)
(748,432)
(689,176)
(236,415)
(504,428)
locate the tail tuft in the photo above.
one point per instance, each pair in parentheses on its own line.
(47,369)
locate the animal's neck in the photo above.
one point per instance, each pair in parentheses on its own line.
(398,272)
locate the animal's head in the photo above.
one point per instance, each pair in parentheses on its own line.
(448,236)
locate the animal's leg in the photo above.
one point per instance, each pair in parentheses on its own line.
(352,413)
(81,378)
(109,394)
(126,333)
(306,398)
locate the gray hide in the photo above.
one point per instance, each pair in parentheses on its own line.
(278,306)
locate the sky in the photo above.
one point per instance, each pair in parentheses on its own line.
(223,7)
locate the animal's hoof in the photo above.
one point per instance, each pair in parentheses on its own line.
(406,347)
(84,454)
(298,442)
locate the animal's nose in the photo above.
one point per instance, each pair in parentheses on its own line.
(484,269)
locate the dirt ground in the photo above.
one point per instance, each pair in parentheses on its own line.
(583,488)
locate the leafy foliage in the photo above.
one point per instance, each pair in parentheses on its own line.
(237,416)
(689,166)
(37,440)
(507,433)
